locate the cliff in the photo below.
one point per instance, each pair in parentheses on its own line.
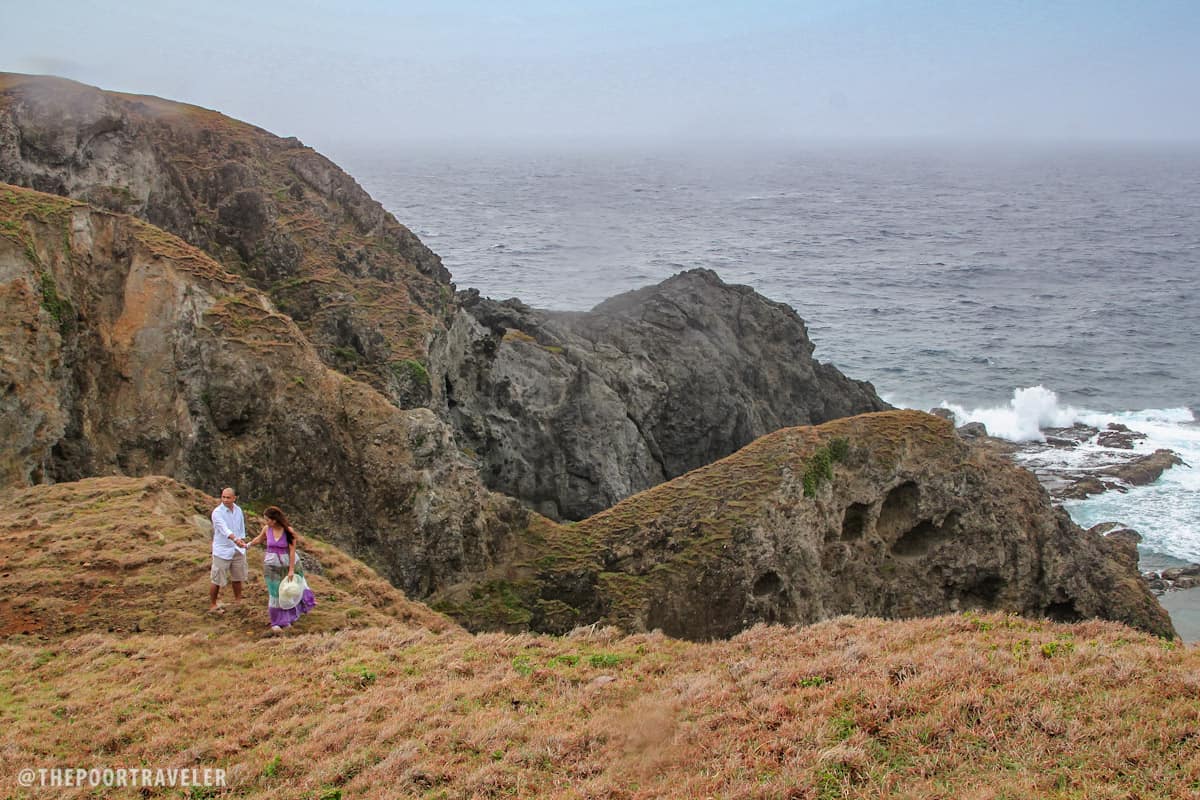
(887,514)
(128,352)
(360,285)
(572,412)
(648,386)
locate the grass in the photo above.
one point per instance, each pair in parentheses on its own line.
(400,711)
(412,371)
(68,568)
(372,696)
(57,307)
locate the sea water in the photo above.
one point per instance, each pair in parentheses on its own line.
(1023,287)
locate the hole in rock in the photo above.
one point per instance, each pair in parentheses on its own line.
(767,583)
(982,593)
(926,535)
(1063,612)
(899,511)
(854,522)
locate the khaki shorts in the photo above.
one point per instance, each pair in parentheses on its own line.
(225,570)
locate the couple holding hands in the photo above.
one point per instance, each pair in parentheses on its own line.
(288,592)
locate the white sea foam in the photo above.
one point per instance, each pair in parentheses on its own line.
(1022,419)
(1166,513)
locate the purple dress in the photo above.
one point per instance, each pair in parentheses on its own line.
(275,569)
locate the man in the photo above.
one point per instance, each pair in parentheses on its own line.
(228,549)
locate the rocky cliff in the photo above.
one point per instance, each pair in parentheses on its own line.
(887,514)
(127,351)
(360,285)
(649,385)
(572,412)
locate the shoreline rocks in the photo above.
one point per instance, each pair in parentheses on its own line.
(1115,468)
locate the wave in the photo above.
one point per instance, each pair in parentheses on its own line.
(1166,513)
(1023,418)
(1035,407)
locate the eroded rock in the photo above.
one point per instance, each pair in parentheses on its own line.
(572,412)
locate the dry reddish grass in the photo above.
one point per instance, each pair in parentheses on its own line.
(131,555)
(946,708)
(372,696)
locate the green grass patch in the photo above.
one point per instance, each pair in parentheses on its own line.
(58,307)
(819,468)
(412,371)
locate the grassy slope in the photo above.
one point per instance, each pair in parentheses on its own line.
(132,554)
(375,697)
(953,707)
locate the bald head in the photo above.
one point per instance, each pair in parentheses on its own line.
(228,496)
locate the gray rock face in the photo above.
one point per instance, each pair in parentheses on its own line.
(571,412)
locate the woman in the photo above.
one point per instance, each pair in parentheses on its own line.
(280,562)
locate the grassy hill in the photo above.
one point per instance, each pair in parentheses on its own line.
(110,660)
(128,555)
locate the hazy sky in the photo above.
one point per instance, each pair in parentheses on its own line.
(466,70)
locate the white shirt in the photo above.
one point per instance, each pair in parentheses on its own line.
(226,521)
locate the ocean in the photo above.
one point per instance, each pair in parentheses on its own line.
(1023,287)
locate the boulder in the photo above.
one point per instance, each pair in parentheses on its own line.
(973,430)
(945,414)
(572,412)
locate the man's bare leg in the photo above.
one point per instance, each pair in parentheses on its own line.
(237,590)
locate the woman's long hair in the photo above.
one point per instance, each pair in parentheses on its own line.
(276,515)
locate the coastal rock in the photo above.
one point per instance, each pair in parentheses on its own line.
(1073,436)
(360,285)
(945,414)
(572,412)
(128,352)
(1098,470)
(1145,469)
(973,430)
(887,514)
(1118,436)
(1075,484)
(1081,488)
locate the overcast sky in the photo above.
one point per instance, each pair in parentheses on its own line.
(470,70)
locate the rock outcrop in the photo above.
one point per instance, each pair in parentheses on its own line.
(887,514)
(572,412)
(127,351)
(360,285)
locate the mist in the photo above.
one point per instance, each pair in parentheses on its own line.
(620,74)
